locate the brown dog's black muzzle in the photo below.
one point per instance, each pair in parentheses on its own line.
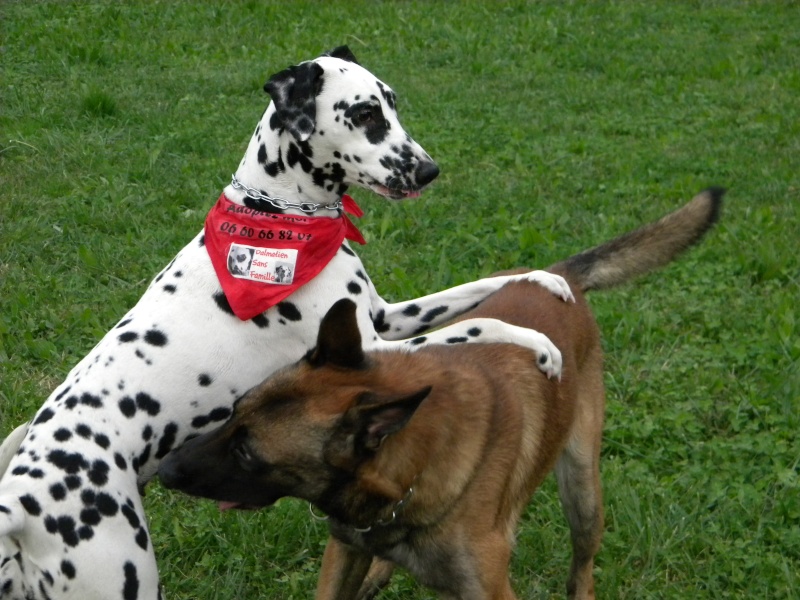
(171,474)
(199,467)
(205,467)
(178,471)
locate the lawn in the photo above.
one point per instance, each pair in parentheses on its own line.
(557,125)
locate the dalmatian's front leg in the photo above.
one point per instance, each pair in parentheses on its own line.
(401,320)
(490,331)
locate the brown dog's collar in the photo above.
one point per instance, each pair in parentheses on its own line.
(398,506)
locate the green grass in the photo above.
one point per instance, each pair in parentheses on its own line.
(557,125)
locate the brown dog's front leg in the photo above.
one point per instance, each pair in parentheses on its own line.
(343,570)
(380,573)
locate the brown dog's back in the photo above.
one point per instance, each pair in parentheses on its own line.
(572,328)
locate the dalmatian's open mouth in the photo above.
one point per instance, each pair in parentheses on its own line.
(405,184)
(396,194)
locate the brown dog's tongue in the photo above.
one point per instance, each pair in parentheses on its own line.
(225,505)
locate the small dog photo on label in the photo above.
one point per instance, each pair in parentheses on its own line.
(283,273)
(239,260)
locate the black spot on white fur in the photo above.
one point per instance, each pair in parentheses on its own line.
(62,434)
(154,337)
(167,440)
(65,526)
(63,392)
(68,569)
(44,416)
(412,310)
(222,303)
(30,504)
(144,402)
(130,587)
(379,321)
(261,321)
(289,311)
(218,414)
(70,462)
(58,491)
(141,538)
(433,313)
(98,473)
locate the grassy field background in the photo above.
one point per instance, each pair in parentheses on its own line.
(557,125)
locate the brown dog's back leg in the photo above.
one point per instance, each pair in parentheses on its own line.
(578,474)
(343,570)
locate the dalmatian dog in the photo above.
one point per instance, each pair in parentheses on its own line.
(72,526)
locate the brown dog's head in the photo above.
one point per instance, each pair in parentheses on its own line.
(306,431)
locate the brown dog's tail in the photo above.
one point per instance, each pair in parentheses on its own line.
(644,249)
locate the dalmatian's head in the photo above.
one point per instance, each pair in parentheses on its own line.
(343,128)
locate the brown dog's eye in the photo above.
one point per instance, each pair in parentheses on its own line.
(244,457)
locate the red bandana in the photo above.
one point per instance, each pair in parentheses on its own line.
(261,258)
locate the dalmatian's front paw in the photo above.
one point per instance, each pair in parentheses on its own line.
(554,283)
(548,357)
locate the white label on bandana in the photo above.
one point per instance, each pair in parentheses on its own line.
(268,265)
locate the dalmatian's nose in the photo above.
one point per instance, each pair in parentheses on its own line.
(426,172)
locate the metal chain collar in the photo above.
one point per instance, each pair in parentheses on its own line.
(306,207)
(380,522)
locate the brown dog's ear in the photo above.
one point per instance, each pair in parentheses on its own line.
(294,92)
(378,418)
(339,341)
(342,52)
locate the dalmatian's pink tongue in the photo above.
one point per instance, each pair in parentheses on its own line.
(397,194)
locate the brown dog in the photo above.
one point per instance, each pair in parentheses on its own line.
(427,458)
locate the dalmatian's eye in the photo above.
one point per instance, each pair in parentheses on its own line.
(366,116)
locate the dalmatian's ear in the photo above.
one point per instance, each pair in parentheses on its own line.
(342,52)
(294,92)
